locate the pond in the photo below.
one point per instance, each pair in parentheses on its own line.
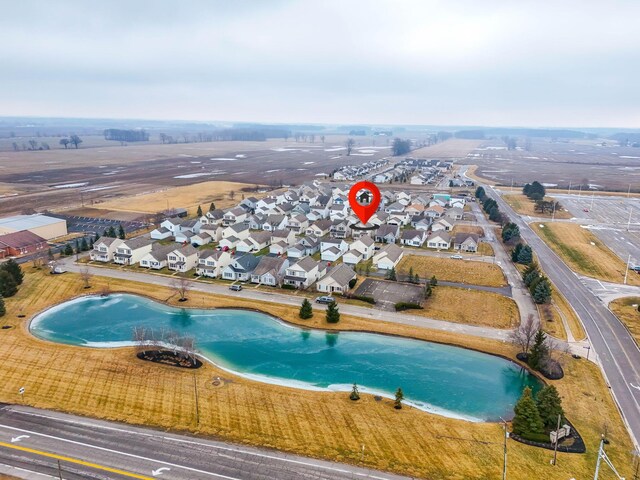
(441,379)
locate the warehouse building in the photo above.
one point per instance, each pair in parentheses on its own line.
(42,225)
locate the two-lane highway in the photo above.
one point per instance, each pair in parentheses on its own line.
(35,441)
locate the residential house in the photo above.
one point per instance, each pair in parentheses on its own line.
(275,222)
(202,238)
(233,216)
(319,228)
(339,229)
(298,223)
(212,217)
(413,238)
(172,224)
(304,272)
(269,270)
(443,224)
(256,221)
(455,213)
(387,233)
(157,257)
(286,236)
(104,249)
(131,251)
(160,233)
(466,242)
(388,257)
(439,240)
(212,262)
(278,248)
(214,231)
(183,259)
(240,267)
(255,242)
(336,280)
(434,211)
(361,249)
(239,230)
(422,224)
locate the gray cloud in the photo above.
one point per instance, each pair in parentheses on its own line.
(426,62)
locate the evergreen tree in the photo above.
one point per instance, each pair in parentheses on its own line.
(199,212)
(50,255)
(3,309)
(515,252)
(77,243)
(397,404)
(480,193)
(391,275)
(8,286)
(410,274)
(121,234)
(91,244)
(68,250)
(84,246)
(212,207)
(306,310)
(428,291)
(333,314)
(111,232)
(416,279)
(539,350)
(542,291)
(525,256)
(434,281)
(355,394)
(549,406)
(14,270)
(97,237)
(527,418)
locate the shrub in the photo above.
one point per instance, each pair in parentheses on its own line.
(364,298)
(400,306)
(288,287)
(352,282)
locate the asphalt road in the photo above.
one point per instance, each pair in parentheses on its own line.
(33,441)
(618,353)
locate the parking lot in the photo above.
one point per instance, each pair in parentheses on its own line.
(387,294)
(610,217)
(79,224)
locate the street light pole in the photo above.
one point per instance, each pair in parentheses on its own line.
(626,272)
(555,444)
(504,455)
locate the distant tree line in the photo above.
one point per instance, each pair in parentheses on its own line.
(30,145)
(228,134)
(74,140)
(126,135)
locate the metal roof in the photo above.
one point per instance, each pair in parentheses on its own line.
(27,222)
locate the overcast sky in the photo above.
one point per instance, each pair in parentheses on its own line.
(476,62)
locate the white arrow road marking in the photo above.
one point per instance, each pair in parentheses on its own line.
(159,471)
(634,386)
(18,438)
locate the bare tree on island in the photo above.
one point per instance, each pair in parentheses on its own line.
(187,348)
(182,287)
(525,333)
(141,336)
(86,276)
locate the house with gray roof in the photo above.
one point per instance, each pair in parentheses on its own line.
(336,280)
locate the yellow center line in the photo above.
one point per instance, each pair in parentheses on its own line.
(75,460)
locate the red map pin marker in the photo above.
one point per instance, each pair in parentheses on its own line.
(364,198)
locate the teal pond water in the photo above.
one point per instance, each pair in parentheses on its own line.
(441,379)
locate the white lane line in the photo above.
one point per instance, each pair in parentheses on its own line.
(11,468)
(131,455)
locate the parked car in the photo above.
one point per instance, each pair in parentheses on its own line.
(325,299)
(457,257)
(235,287)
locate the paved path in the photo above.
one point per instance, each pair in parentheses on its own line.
(281,298)
(32,442)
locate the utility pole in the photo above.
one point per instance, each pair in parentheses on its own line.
(555,444)
(629,221)
(553,214)
(592,198)
(59,470)
(603,456)
(626,272)
(569,192)
(195,389)
(580,190)
(504,455)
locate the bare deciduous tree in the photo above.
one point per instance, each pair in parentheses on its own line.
(232,194)
(141,337)
(350,143)
(524,334)
(187,348)
(86,276)
(182,286)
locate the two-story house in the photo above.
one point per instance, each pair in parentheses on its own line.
(212,262)
(182,259)
(131,251)
(304,272)
(240,267)
(157,257)
(104,249)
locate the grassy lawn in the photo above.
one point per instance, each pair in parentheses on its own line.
(449,270)
(188,196)
(485,249)
(473,307)
(628,314)
(467,229)
(112,384)
(524,206)
(584,252)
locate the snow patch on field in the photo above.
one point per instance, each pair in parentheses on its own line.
(275,170)
(627,156)
(241,155)
(337,156)
(96,189)
(72,185)
(335,149)
(307,163)
(223,159)
(362,154)
(186,155)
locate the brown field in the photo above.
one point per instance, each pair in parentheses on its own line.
(467,229)
(628,314)
(581,162)
(112,384)
(524,206)
(486,249)
(473,307)
(449,270)
(189,197)
(454,148)
(584,252)
(110,172)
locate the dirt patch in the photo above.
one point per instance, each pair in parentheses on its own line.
(387,294)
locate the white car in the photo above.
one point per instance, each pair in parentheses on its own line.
(457,257)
